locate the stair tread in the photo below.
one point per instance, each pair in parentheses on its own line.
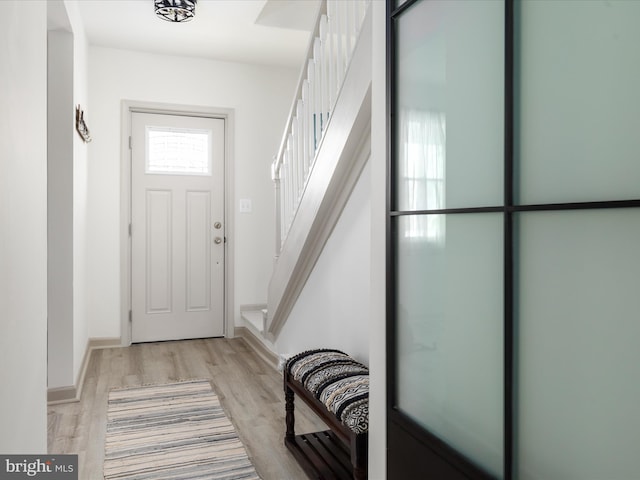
(255,318)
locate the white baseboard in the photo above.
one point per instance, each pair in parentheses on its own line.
(258,346)
(72,393)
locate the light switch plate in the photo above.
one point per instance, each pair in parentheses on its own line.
(245,205)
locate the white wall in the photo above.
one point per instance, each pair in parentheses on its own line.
(80,189)
(333,309)
(67,170)
(260,97)
(23,226)
(60,205)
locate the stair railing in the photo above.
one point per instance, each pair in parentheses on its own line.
(328,57)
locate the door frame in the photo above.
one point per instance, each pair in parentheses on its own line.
(227,114)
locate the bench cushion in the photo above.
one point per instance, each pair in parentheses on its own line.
(336,380)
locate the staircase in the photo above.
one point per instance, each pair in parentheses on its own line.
(324,148)
(255,319)
(325,145)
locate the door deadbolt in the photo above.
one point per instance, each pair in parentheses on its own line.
(217,225)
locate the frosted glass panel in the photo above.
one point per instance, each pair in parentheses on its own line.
(178,151)
(579,355)
(579,72)
(450,110)
(450,335)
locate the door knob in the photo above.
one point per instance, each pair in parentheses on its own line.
(217,240)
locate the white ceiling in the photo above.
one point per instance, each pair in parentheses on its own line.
(267,32)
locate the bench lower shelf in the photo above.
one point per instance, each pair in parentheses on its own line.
(322,455)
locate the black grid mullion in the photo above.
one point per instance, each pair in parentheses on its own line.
(508,261)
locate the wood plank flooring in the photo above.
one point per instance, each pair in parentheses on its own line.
(250,391)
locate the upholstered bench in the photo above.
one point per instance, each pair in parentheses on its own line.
(336,388)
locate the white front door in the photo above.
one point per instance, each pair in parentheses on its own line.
(177,212)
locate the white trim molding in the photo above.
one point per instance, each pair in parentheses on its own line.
(72,393)
(258,346)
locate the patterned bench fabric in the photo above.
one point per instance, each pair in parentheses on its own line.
(338,381)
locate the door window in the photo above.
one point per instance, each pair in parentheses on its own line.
(177,151)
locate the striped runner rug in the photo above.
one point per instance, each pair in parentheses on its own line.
(176,431)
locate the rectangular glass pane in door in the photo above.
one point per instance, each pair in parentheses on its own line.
(578,354)
(577,76)
(449,320)
(450,105)
(178,151)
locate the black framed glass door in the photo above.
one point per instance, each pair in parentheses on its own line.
(510,237)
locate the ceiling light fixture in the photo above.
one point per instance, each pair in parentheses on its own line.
(176,10)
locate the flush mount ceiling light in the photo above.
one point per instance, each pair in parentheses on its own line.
(176,10)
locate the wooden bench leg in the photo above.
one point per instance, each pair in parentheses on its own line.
(359,457)
(290,417)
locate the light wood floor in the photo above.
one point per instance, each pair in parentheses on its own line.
(250,391)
